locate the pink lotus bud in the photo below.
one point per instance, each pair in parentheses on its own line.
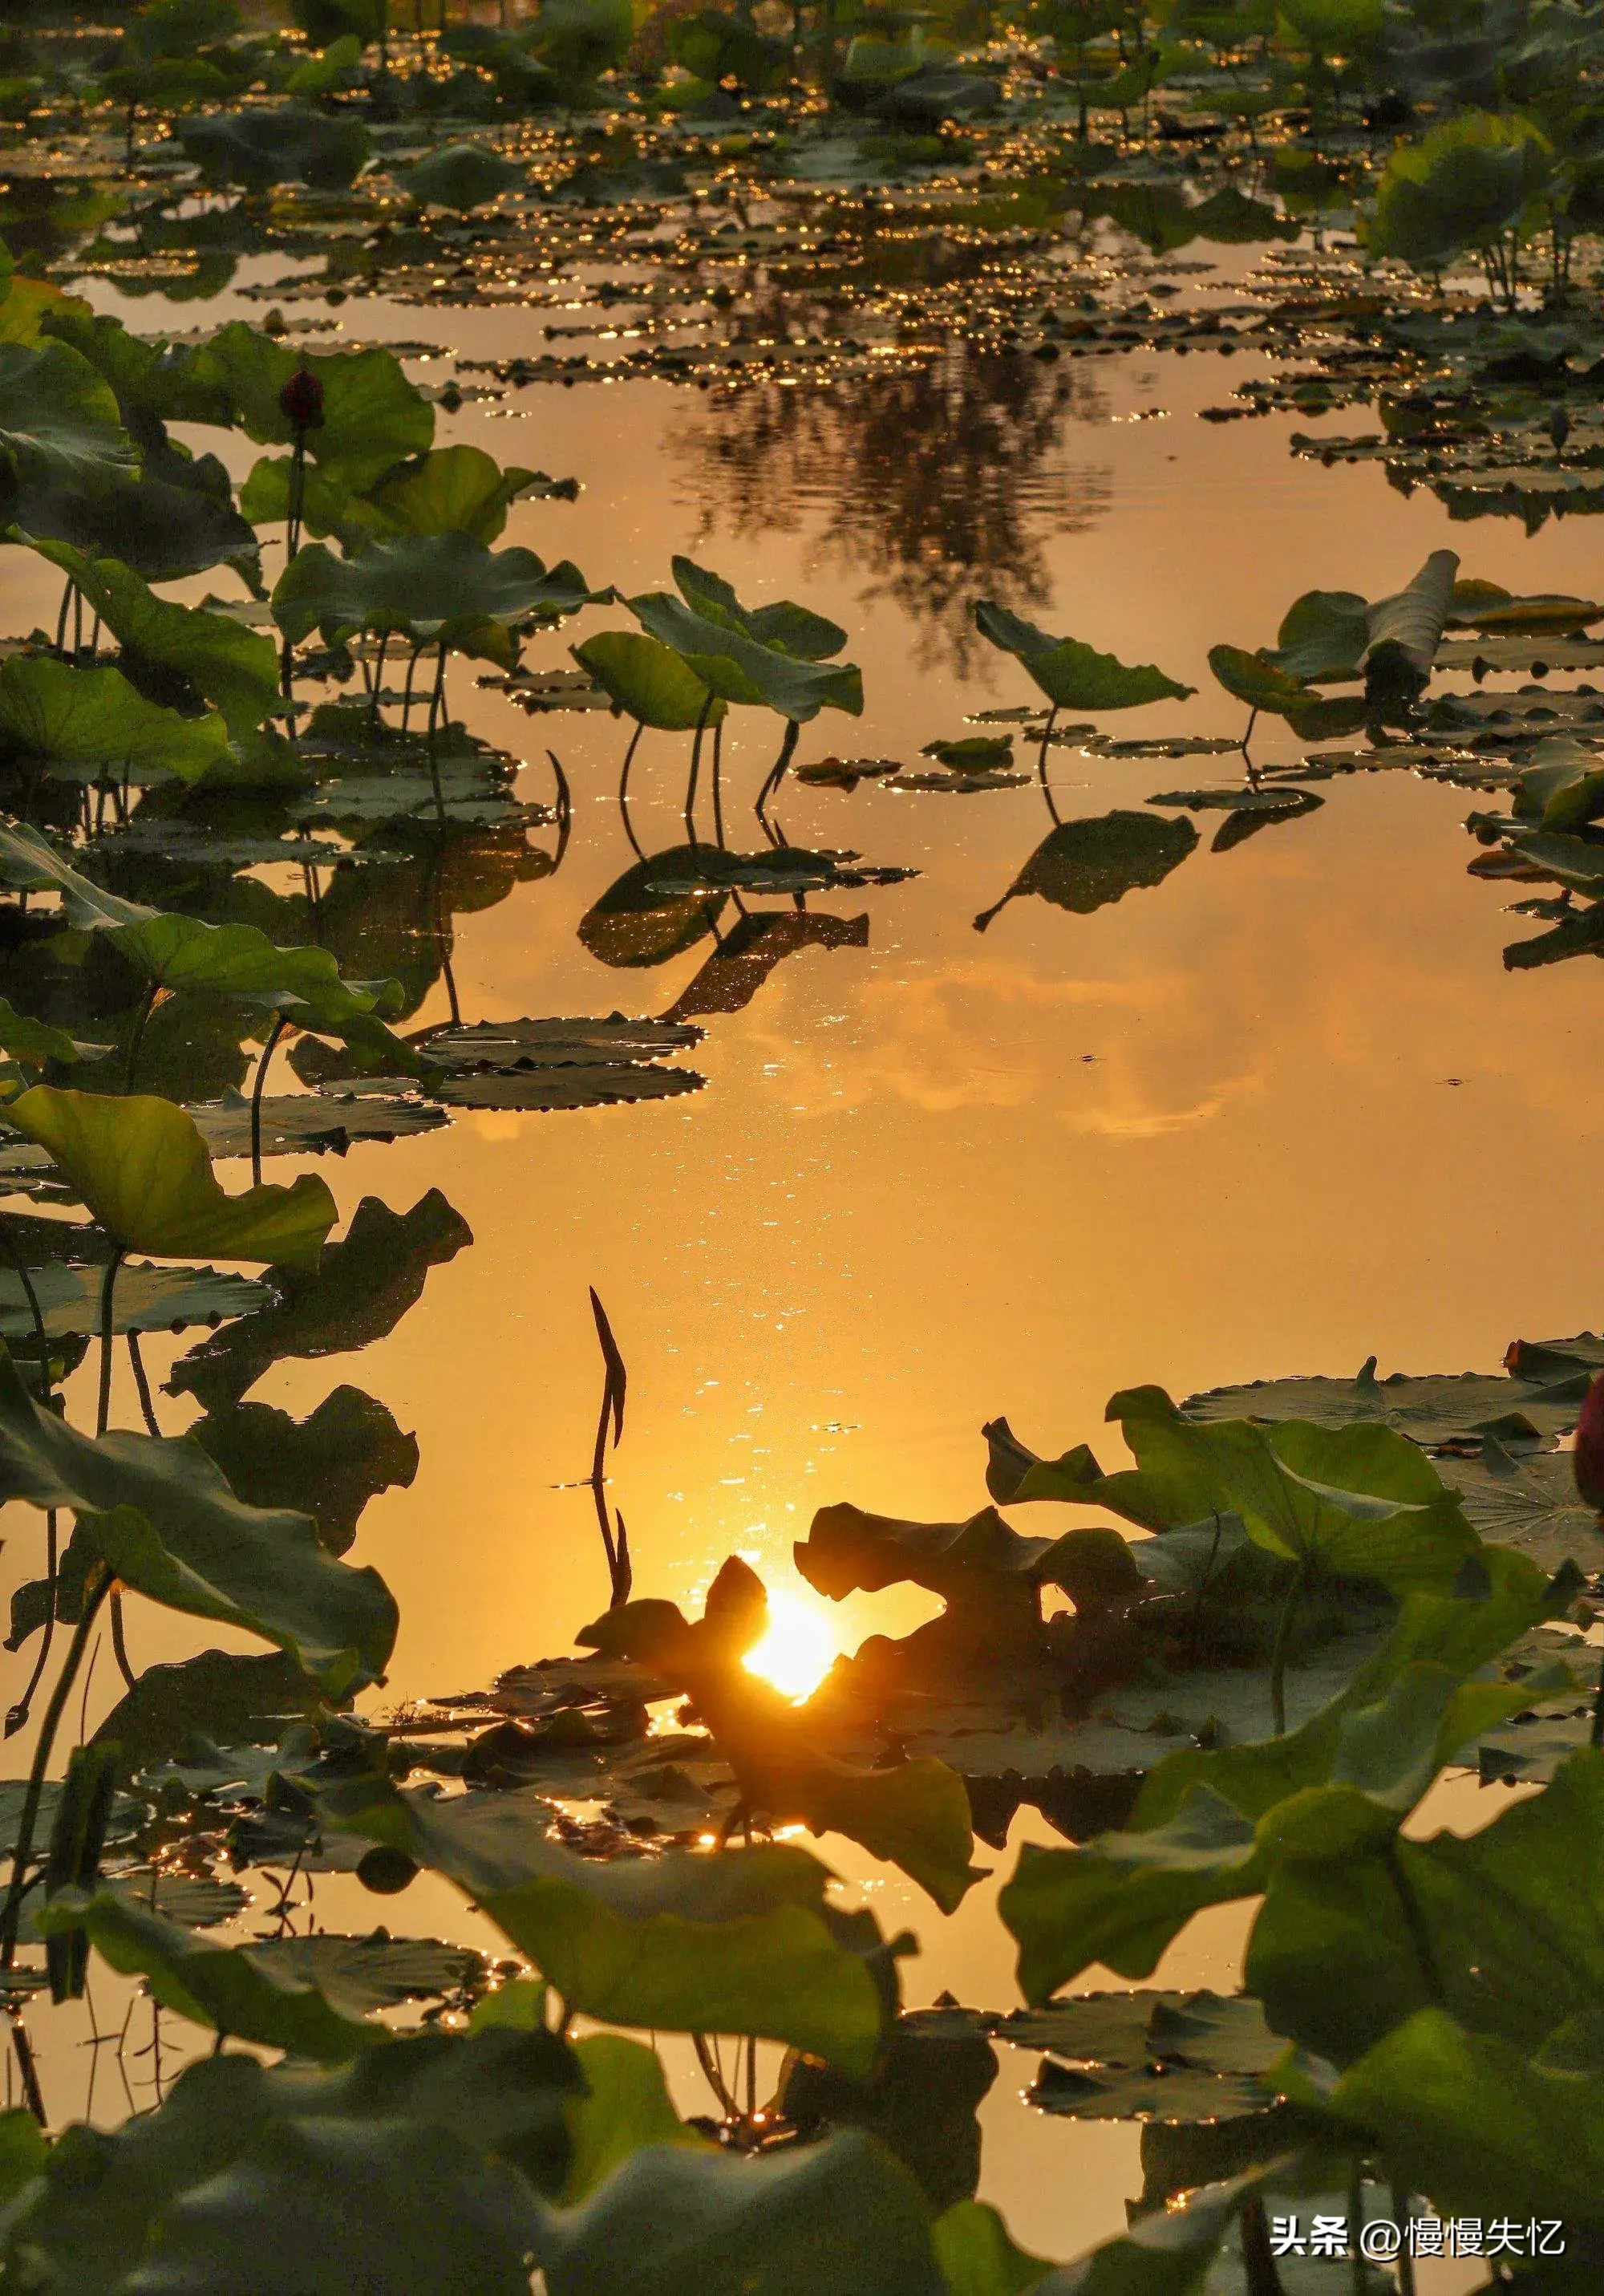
(301,401)
(1588,1457)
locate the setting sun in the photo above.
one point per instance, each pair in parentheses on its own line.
(799,1649)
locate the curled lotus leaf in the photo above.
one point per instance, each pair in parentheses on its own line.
(462,177)
(58,417)
(372,416)
(795,630)
(649,681)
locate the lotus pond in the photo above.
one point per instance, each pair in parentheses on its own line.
(800,815)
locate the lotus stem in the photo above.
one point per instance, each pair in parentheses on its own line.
(28,2070)
(1278,1655)
(708,2063)
(634,740)
(565,809)
(17,1716)
(436,701)
(1258,2258)
(61,636)
(407,691)
(718,828)
(777,771)
(108,1291)
(1407,2272)
(279,1025)
(120,1647)
(147,1006)
(8,1243)
(1042,765)
(1596,1736)
(141,1382)
(377,685)
(695,769)
(94,1595)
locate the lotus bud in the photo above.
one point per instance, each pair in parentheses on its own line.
(1588,1457)
(301,401)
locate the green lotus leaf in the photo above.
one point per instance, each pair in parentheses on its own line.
(29,863)
(153,383)
(1460,186)
(93,724)
(174,517)
(462,177)
(794,630)
(279,144)
(738,1942)
(1322,634)
(143,1169)
(976,2256)
(1072,675)
(210,1983)
(222,1696)
(744,670)
(649,680)
(439,589)
(625,2105)
(57,415)
(161,1515)
(104,2202)
(1252,678)
(35,1042)
(148,1298)
(1325,719)
(372,416)
(842,2214)
(450,490)
(1476,2122)
(1193,1838)
(364,1285)
(1343,27)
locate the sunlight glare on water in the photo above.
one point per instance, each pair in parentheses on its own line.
(799,1649)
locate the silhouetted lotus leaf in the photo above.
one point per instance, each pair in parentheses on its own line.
(277,144)
(775,869)
(92,725)
(362,1287)
(462,176)
(1243,798)
(1073,675)
(328,1465)
(921,2104)
(1495,612)
(604,1084)
(1085,865)
(450,490)
(1460,186)
(1579,934)
(681,1784)
(357,1975)
(915,1815)
(223,1695)
(636,924)
(201,656)
(303,1124)
(437,589)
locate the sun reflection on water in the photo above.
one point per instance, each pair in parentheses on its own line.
(799,1649)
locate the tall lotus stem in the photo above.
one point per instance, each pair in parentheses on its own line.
(141,1020)
(696,768)
(279,1025)
(1042,764)
(95,1593)
(634,740)
(301,404)
(1278,1655)
(718,832)
(108,1293)
(778,770)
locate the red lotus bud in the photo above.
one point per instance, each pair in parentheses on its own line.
(1588,1457)
(301,401)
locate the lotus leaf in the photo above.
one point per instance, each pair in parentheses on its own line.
(219,1695)
(977,2257)
(1083,866)
(169,1525)
(736,1942)
(625,2105)
(462,176)
(649,680)
(58,418)
(372,416)
(36,1043)
(143,1169)
(282,143)
(746,670)
(94,725)
(439,589)
(1073,675)
(147,1298)
(1460,187)
(843,2213)
(1540,1399)
(793,629)
(328,1465)
(362,1287)
(210,656)
(29,863)
(636,924)
(1256,680)
(449,490)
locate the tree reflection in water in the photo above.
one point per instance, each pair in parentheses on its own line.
(940,485)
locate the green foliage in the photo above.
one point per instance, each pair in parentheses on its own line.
(282,143)
(754,671)
(1072,675)
(1463,186)
(462,177)
(92,724)
(649,680)
(442,590)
